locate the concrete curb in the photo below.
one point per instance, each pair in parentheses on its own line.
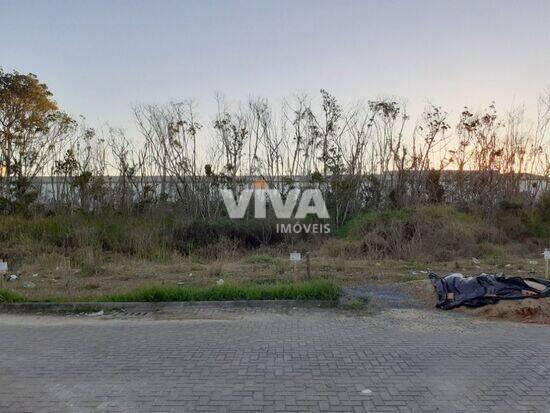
(89,307)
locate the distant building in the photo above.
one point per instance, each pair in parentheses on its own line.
(51,187)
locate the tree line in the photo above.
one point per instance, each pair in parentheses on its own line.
(368,155)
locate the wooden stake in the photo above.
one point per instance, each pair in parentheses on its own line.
(308,267)
(546,255)
(3,273)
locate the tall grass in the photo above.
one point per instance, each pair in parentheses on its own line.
(148,238)
(433,232)
(10,297)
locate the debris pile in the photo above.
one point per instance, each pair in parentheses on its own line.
(455,290)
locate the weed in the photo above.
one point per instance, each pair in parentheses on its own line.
(538,223)
(355,304)
(10,297)
(215,269)
(259,259)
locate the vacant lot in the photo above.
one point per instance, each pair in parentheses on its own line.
(90,256)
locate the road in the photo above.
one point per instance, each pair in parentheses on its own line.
(398,360)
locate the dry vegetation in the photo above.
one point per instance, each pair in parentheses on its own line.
(92,256)
(402,196)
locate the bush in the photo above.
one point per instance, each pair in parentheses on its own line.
(248,234)
(434,232)
(9,297)
(125,235)
(538,223)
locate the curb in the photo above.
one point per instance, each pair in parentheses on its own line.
(90,307)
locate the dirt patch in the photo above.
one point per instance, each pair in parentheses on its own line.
(422,291)
(526,311)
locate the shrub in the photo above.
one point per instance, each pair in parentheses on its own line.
(538,223)
(435,232)
(188,237)
(10,297)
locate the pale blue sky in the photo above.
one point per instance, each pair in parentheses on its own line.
(99,57)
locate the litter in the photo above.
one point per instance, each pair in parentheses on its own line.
(220,282)
(11,277)
(456,290)
(98,314)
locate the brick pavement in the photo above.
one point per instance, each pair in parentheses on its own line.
(274,361)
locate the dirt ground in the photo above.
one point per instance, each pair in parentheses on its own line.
(527,310)
(53,277)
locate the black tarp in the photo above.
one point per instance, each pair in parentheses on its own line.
(455,290)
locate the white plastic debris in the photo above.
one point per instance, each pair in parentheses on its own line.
(532,262)
(295,256)
(220,282)
(476,261)
(12,277)
(98,314)
(367,392)
(34,275)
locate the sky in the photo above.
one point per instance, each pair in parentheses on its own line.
(100,57)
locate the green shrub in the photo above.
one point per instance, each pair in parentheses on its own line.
(538,222)
(433,231)
(10,297)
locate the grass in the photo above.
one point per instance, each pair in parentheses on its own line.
(368,218)
(313,290)
(93,256)
(259,259)
(10,297)
(365,221)
(434,232)
(538,223)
